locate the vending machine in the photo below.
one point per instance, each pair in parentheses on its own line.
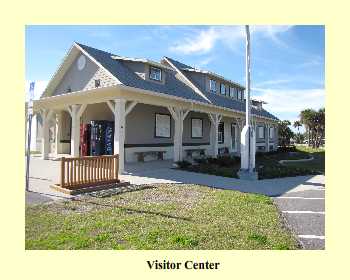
(97,140)
(84,139)
(109,137)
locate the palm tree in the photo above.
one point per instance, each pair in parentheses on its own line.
(297,124)
(306,118)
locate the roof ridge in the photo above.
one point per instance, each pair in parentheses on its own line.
(89,47)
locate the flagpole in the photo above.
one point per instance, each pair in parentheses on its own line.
(247,170)
(247,103)
(29,132)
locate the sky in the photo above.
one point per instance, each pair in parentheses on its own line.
(287,61)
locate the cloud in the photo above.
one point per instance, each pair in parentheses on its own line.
(273,82)
(313,62)
(203,41)
(39,88)
(206,61)
(291,101)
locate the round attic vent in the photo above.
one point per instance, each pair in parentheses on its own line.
(81,62)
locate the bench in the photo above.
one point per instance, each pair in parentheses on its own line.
(190,152)
(158,154)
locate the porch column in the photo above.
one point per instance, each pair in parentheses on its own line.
(268,138)
(120,109)
(75,110)
(215,119)
(178,115)
(45,145)
(240,125)
(58,132)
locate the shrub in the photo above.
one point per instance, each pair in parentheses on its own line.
(183,164)
(287,149)
(226,161)
(201,160)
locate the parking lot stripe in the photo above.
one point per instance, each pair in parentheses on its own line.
(300,197)
(311,236)
(303,212)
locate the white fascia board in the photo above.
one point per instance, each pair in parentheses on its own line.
(153,93)
(64,64)
(188,101)
(143,60)
(213,75)
(196,89)
(55,74)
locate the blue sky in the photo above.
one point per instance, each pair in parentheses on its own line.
(287,61)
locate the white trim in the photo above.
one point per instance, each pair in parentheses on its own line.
(143,60)
(129,107)
(110,104)
(57,71)
(212,74)
(196,89)
(149,92)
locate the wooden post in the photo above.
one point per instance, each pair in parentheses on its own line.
(62,172)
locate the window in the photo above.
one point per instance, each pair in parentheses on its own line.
(261,131)
(271,132)
(223,89)
(212,85)
(232,92)
(221,133)
(242,94)
(163,126)
(233,136)
(155,73)
(196,128)
(239,94)
(97,83)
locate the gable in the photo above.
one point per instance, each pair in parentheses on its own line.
(83,78)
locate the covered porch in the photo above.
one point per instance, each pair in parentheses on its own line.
(146,124)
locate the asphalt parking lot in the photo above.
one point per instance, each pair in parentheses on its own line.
(304,212)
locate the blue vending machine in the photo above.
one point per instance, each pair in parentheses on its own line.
(109,137)
(97,141)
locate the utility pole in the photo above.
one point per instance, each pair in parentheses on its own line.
(29,132)
(248,144)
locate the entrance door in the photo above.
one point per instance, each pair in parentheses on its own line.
(233,137)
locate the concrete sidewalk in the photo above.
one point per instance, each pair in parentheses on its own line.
(44,173)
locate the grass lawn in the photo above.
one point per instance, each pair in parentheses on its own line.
(317,164)
(165,216)
(267,164)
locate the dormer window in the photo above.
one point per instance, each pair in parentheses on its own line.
(223,89)
(97,83)
(212,85)
(155,73)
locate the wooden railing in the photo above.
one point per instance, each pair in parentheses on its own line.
(87,171)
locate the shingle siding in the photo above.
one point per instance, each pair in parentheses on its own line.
(84,79)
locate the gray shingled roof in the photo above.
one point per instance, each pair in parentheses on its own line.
(172,86)
(218,99)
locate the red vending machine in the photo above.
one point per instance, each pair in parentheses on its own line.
(85,139)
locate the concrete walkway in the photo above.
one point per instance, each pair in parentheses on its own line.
(161,172)
(44,173)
